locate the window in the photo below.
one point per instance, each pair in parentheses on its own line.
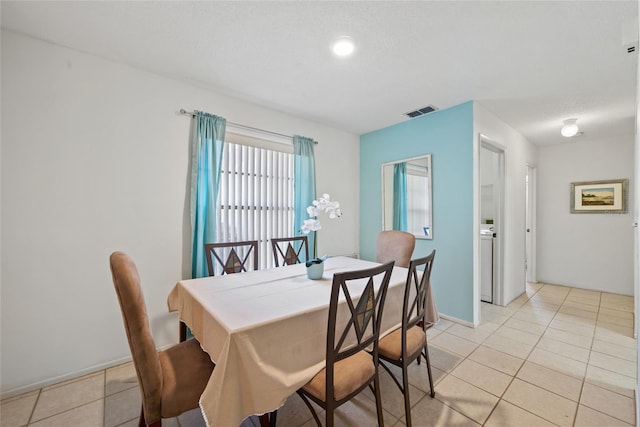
(255,200)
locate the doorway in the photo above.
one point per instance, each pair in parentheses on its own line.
(492,200)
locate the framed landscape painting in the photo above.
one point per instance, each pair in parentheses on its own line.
(599,196)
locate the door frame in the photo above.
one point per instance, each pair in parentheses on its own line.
(482,141)
(531,198)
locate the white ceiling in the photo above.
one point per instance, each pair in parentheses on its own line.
(532,63)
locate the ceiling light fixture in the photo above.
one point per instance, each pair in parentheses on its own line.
(343,46)
(570,128)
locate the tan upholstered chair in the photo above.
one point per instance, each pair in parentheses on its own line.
(350,368)
(407,343)
(289,250)
(171,381)
(394,245)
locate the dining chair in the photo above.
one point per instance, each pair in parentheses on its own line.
(228,258)
(289,250)
(409,342)
(231,257)
(395,245)
(350,368)
(171,381)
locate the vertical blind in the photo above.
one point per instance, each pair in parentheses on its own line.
(255,200)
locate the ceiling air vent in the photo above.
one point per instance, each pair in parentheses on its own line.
(421,111)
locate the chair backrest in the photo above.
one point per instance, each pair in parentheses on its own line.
(394,245)
(289,250)
(369,288)
(136,323)
(231,257)
(415,293)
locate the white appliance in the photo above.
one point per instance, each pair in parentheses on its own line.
(486,265)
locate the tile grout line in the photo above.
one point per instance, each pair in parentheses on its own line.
(33,410)
(584,379)
(500,398)
(513,377)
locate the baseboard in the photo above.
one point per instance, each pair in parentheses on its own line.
(69,376)
(456,320)
(55,380)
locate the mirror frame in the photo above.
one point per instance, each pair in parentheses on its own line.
(385,213)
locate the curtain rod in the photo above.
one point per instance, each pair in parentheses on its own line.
(238,125)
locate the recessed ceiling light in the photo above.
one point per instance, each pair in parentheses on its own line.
(570,128)
(343,46)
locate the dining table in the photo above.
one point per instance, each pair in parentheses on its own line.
(266,332)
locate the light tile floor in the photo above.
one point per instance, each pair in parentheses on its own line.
(556,356)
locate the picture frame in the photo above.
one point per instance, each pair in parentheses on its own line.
(603,197)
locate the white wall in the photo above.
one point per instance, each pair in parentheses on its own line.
(590,251)
(95,159)
(518,153)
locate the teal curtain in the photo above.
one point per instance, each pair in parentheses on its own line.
(400,196)
(304,185)
(207,143)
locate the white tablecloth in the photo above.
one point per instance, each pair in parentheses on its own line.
(266,332)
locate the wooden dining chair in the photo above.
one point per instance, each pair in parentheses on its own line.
(289,250)
(409,342)
(231,257)
(394,245)
(171,381)
(350,368)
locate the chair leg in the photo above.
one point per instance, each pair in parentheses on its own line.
(329,416)
(313,412)
(405,392)
(428,362)
(376,385)
(329,410)
(183,332)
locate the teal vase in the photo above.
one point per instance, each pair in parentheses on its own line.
(315,270)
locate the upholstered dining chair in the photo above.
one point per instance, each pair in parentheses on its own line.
(349,367)
(394,245)
(171,381)
(409,342)
(289,250)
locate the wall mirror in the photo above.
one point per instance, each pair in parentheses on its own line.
(406,196)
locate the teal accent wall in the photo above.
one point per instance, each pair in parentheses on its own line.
(448,136)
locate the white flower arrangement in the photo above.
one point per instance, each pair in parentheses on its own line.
(323,204)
